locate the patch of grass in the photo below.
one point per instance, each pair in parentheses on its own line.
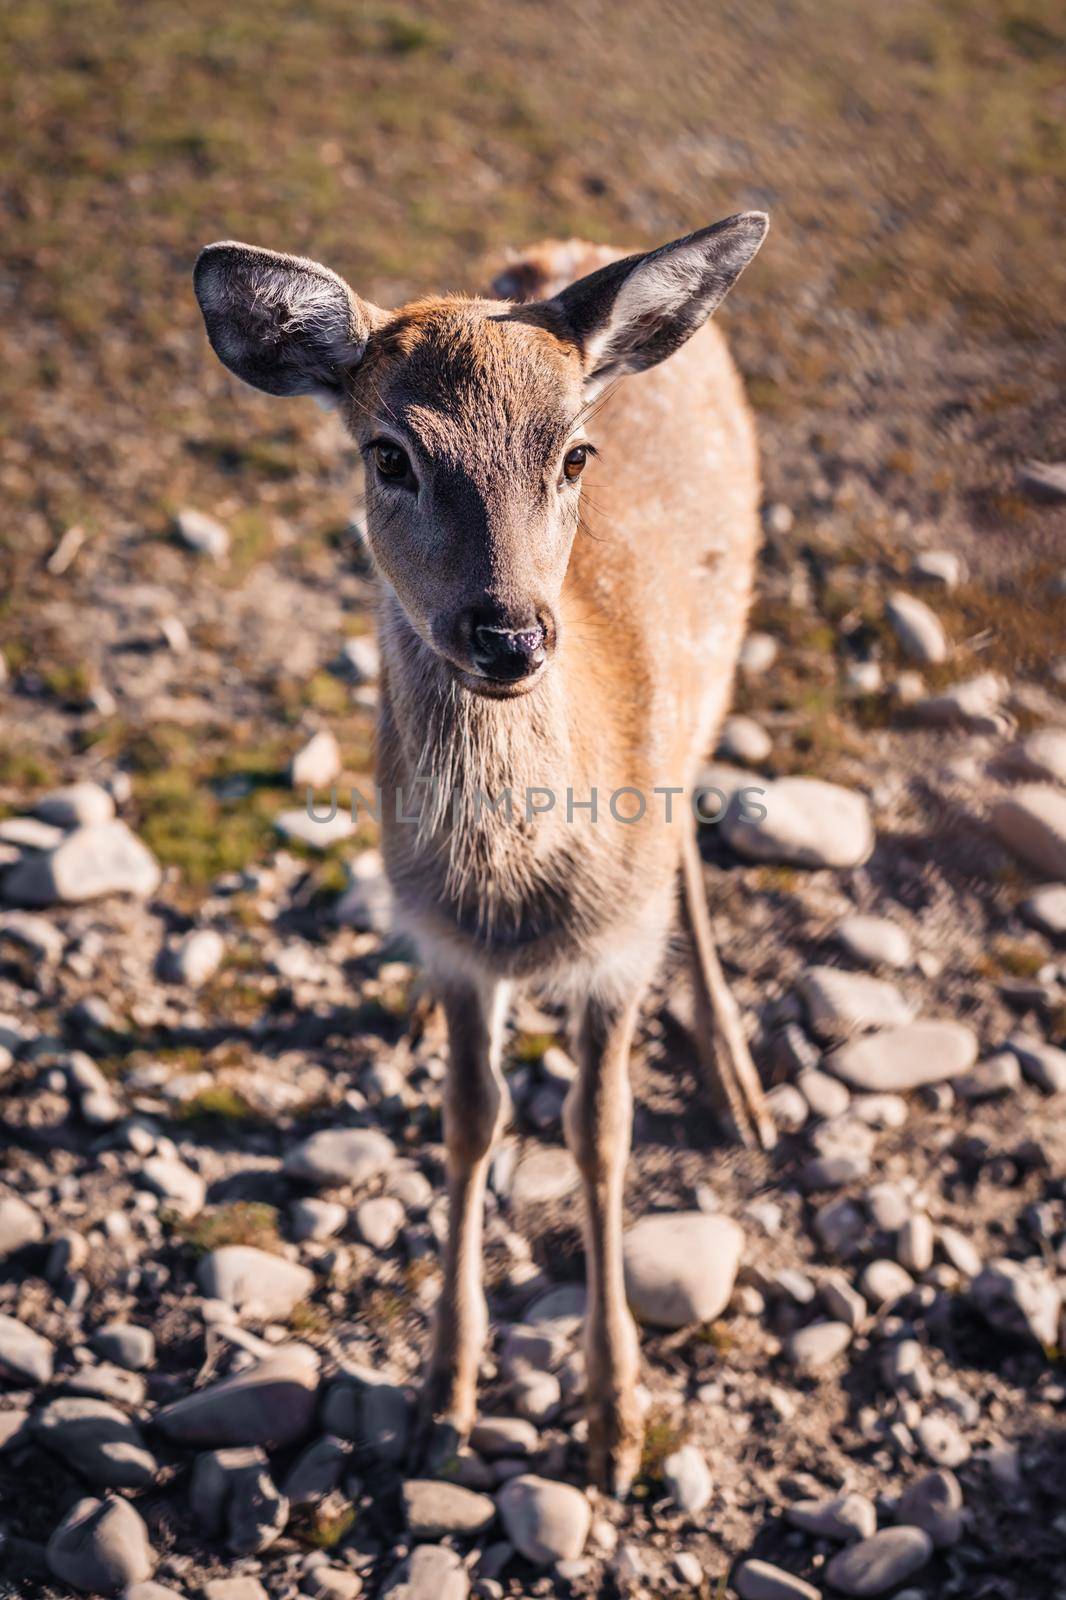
(220,1103)
(309,1319)
(244,1222)
(328,1524)
(1015,958)
(664,1432)
(530,1047)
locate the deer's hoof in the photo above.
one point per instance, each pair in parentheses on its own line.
(616,1441)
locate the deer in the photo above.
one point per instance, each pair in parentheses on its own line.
(562,492)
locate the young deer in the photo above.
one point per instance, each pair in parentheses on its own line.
(565,567)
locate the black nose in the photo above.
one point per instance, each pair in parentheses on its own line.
(505,653)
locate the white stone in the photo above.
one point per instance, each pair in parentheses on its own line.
(367,901)
(817,1345)
(197,956)
(1046,909)
(884,1282)
(841,1003)
(757,654)
(938,566)
(826,1096)
(203,534)
(1043,1064)
(1031,821)
(316,1219)
(361,659)
(78,805)
(975,704)
(101,1547)
(316,829)
(89,862)
(844,1518)
(914,1247)
(338,1157)
(688,1479)
(808,823)
(318,764)
(919,630)
(544,1173)
(182,1189)
(379,1221)
(744,739)
(253,1281)
(19,1225)
(680,1267)
(875,941)
(905,1058)
(546,1522)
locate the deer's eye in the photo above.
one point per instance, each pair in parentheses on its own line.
(574,462)
(392,463)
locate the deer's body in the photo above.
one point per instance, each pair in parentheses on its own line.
(536,647)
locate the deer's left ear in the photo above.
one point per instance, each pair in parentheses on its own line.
(281,323)
(634,313)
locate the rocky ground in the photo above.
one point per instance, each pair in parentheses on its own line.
(221,1178)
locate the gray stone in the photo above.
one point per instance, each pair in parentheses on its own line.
(19,1225)
(125,1344)
(361,659)
(1040,754)
(232,1491)
(808,823)
(974,705)
(338,1157)
(183,1189)
(77,805)
(317,829)
(243,1588)
(1046,909)
(839,1225)
(744,739)
(254,1282)
(914,1247)
(272,1403)
(757,654)
(826,1096)
(544,1173)
(28,833)
(844,1518)
(680,1267)
(203,534)
(1019,1298)
(960,1251)
(841,1003)
(875,941)
(788,1107)
(318,763)
(90,862)
(816,1346)
(843,1303)
(934,1503)
(495,1437)
(942,567)
(316,1219)
(378,1221)
(1031,822)
(876,1565)
(919,630)
(431,1572)
(100,1547)
(24,1356)
(995,1075)
(98,1440)
(34,934)
(435,1509)
(1043,1064)
(884,1282)
(197,957)
(545,1521)
(688,1479)
(317,1471)
(941,1442)
(905,1058)
(367,901)
(760,1580)
(373,1413)
(332,1583)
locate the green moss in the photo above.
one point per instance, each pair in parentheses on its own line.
(244,1222)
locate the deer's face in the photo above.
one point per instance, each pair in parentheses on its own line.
(469,419)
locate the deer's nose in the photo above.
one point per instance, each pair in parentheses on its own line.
(508,653)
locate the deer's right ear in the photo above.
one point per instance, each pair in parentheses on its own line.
(281,323)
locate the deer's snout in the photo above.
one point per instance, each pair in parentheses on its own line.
(504,646)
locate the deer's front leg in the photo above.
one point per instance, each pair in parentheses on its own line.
(598,1118)
(474,1109)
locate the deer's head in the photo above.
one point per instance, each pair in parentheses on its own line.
(471,418)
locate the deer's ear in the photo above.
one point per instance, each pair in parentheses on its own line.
(634,313)
(279,322)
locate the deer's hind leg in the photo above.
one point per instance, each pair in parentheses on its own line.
(597,1119)
(475,1105)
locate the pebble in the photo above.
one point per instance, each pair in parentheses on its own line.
(918,628)
(994,1076)
(905,1058)
(787,1106)
(367,901)
(757,654)
(888,1206)
(100,1547)
(544,1173)
(25,1357)
(688,1479)
(974,705)
(88,863)
(934,1503)
(688,1569)
(197,957)
(680,1267)
(378,1221)
(1040,754)
(841,1003)
(33,934)
(880,1110)
(254,1282)
(884,1282)
(545,1521)
(826,1096)
(431,1572)
(744,739)
(183,1189)
(19,1225)
(126,1345)
(1046,480)
(839,1225)
(361,659)
(1045,909)
(759,1580)
(435,1509)
(338,1157)
(914,1247)
(941,1442)
(875,941)
(876,1565)
(938,566)
(1019,1298)
(202,533)
(318,764)
(231,1491)
(842,1519)
(317,1471)
(959,1250)
(77,805)
(808,823)
(316,1219)
(816,1346)
(495,1437)
(1031,821)
(98,1440)
(1043,1064)
(242,1588)
(270,1403)
(843,1302)
(319,831)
